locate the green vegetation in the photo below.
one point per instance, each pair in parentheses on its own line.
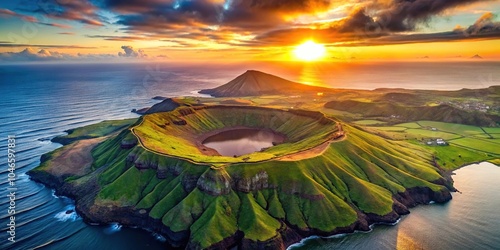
(323,193)
(482,141)
(369,122)
(156,172)
(492,130)
(453,157)
(479,144)
(427,133)
(95,130)
(392,128)
(398,112)
(212,198)
(452,127)
(158,133)
(409,125)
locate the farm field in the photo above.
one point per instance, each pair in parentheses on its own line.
(465,136)
(369,122)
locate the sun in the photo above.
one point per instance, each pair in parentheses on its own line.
(309,51)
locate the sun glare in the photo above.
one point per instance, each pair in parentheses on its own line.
(309,51)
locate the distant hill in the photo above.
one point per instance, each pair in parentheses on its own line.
(402,98)
(442,113)
(482,93)
(166,105)
(477,57)
(256,83)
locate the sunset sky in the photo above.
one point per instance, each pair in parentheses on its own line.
(225,30)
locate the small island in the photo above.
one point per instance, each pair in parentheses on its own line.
(341,161)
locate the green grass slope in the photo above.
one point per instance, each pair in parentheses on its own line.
(159,134)
(443,112)
(93,131)
(354,182)
(320,194)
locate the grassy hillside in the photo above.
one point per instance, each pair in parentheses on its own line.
(154,172)
(159,133)
(399,112)
(353,182)
(94,130)
(323,193)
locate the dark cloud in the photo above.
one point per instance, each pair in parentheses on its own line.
(117,38)
(484,28)
(388,23)
(7,13)
(238,16)
(485,24)
(289,5)
(270,22)
(405,15)
(62,26)
(17,45)
(129,51)
(82,11)
(265,19)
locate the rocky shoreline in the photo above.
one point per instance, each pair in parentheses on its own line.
(264,205)
(85,195)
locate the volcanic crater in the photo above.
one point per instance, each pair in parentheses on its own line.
(184,132)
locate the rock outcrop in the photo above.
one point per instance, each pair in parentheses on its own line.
(168,104)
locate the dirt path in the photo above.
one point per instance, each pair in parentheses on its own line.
(316,151)
(310,153)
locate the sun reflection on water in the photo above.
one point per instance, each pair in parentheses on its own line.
(310,74)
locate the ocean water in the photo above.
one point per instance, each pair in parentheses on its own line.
(39,102)
(469,221)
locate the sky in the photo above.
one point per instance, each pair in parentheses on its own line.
(247,30)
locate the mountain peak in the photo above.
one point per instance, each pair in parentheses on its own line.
(28,51)
(44,52)
(476,56)
(257,83)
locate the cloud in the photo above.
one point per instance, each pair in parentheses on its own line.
(59,46)
(272,22)
(117,38)
(177,17)
(31,55)
(82,11)
(386,26)
(484,24)
(483,28)
(405,15)
(130,52)
(7,12)
(62,26)
(253,23)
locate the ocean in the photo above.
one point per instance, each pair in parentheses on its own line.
(39,102)
(469,221)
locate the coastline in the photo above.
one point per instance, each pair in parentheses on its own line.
(304,242)
(128,217)
(372,226)
(86,192)
(41,119)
